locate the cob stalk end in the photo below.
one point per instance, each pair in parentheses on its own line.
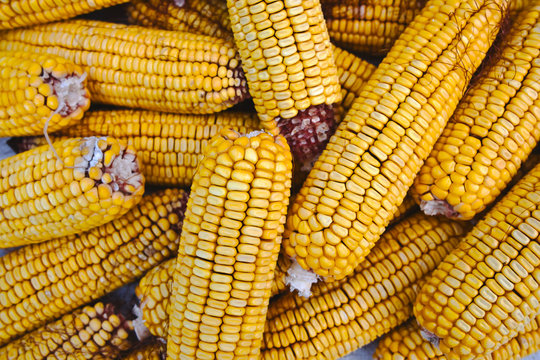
(439,207)
(300,279)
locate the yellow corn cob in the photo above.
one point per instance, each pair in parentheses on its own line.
(39,93)
(229,247)
(353,73)
(287,57)
(493,130)
(369,164)
(169,146)
(154,350)
(79,184)
(133,66)
(487,289)
(207,17)
(43,281)
(20,13)
(344,315)
(155,288)
(369,26)
(94,332)
(406,343)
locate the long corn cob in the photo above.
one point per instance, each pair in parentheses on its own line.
(79,184)
(229,247)
(287,57)
(41,282)
(206,17)
(486,290)
(155,288)
(154,350)
(353,73)
(493,130)
(169,146)
(406,343)
(94,332)
(369,26)
(39,93)
(21,13)
(344,315)
(133,66)
(369,164)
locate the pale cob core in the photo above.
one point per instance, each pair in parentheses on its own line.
(229,247)
(344,315)
(492,132)
(486,290)
(370,162)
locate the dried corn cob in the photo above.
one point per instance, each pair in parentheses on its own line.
(206,17)
(368,26)
(94,332)
(41,282)
(154,350)
(493,130)
(155,288)
(133,66)
(344,315)
(287,57)
(169,146)
(406,343)
(79,184)
(367,168)
(487,290)
(229,247)
(353,73)
(21,13)
(39,93)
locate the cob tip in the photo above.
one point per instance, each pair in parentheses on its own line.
(141,331)
(438,207)
(70,91)
(300,279)
(430,337)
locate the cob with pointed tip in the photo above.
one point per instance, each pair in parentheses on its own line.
(137,67)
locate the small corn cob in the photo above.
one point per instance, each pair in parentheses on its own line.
(229,247)
(133,66)
(287,57)
(353,73)
(155,288)
(78,184)
(43,281)
(21,13)
(487,289)
(406,343)
(369,26)
(94,332)
(39,93)
(169,146)
(154,350)
(206,17)
(493,130)
(369,164)
(344,315)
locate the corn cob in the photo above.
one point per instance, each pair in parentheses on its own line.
(224,272)
(44,281)
(79,184)
(40,93)
(154,350)
(487,290)
(493,130)
(287,57)
(344,315)
(21,13)
(206,17)
(168,145)
(133,66)
(368,26)
(406,343)
(369,164)
(93,332)
(353,73)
